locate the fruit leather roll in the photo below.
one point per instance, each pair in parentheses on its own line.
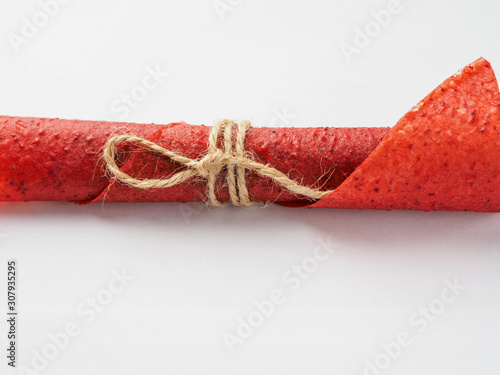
(442,155)
(53,160)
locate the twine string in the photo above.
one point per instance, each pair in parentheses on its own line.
(209,166)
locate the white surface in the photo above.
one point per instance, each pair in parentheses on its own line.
(196,271)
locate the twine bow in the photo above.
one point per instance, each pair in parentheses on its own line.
(209,166)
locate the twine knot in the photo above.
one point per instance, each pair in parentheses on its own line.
(210,163)
(209,166)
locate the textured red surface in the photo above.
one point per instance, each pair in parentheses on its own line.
(52,159)
(442,155)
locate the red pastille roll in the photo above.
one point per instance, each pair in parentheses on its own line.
(442,155)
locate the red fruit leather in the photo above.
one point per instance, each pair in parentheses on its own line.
(53,160)
(442,155)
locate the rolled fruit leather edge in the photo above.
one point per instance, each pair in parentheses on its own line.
(442,155)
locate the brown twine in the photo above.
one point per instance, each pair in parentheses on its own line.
(209,166)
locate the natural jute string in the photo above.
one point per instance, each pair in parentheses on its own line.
(209,166)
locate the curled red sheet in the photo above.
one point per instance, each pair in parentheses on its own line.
(51,159)
(440,156)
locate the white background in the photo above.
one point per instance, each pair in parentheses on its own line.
(197,271)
